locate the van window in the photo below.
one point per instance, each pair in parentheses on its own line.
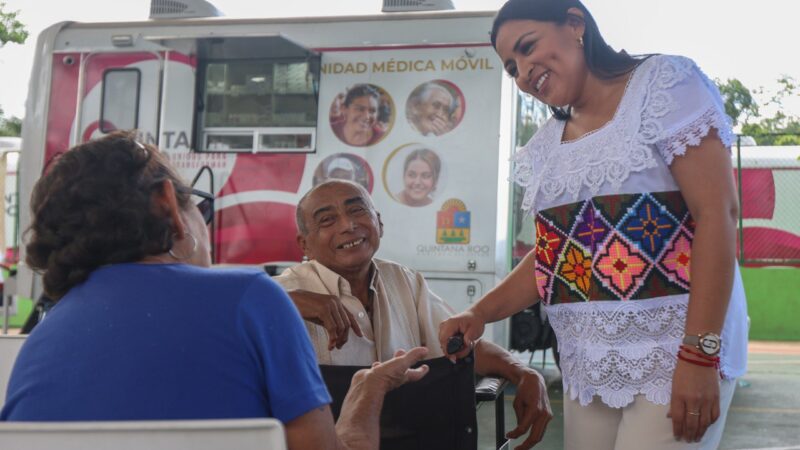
(257,105)
(120,104)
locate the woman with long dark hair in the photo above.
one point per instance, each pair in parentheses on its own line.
(631,187)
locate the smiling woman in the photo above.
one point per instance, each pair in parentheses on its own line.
(631,189)
(421,171)
(362,116)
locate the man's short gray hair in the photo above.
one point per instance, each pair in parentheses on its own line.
(299,216)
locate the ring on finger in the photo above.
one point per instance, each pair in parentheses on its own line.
(693,413)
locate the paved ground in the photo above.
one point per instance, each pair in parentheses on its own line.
(765,414)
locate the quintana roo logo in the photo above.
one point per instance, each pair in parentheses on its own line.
(453,223)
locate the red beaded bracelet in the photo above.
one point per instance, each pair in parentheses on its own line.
(696,362)
(695,352)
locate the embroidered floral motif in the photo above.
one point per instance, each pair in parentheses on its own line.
(590,230)
(622,266)
(576,268)
(650,226)
(548,243)
(678,257)
(542,281)
(622,241)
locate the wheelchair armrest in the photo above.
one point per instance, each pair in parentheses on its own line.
(490,388)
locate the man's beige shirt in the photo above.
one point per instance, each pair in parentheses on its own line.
(406,313)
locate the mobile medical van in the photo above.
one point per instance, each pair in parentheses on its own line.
(258,111)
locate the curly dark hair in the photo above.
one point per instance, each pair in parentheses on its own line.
(94,207)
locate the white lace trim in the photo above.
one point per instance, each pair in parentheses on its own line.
(616,350)
(547,168)
(659,102)
(693,133)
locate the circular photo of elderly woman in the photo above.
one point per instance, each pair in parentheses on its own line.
(435,108)
(362,115)
(412,175)
(344,166)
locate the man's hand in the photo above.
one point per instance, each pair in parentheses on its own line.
(532,407)
(358,424)
(327,311)
(391,374)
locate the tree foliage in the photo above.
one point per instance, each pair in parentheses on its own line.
(11,29)
(739,101)
(779,129)
(11,126)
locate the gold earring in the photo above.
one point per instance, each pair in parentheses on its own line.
(580,41)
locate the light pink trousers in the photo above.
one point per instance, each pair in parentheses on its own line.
(640,425)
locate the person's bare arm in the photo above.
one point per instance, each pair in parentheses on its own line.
(516,292)
(531,403)
(313,429)
(705,177)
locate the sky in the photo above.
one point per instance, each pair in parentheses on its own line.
(753,41)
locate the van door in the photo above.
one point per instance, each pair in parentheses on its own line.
(120,91)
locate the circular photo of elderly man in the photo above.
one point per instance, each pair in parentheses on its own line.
(412,174)
(344,166)
(434,108)
(362,115)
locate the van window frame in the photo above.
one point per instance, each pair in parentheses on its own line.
(103,97)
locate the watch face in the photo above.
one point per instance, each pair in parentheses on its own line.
(709,344)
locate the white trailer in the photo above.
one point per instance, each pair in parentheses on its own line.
(253,110)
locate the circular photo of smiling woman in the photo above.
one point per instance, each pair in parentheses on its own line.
(362,115)
(413,174)
(435,108)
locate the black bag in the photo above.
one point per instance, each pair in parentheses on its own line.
(530,332)
(436,412)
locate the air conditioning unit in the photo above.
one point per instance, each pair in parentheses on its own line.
(416,5)
(182,9)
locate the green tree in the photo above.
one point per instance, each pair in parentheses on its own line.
(780,129)
(739,102)
(11,29)
(11,126)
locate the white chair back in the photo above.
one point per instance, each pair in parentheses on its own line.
(231,434)
(9,348)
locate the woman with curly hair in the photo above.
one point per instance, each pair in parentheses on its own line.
(145,330)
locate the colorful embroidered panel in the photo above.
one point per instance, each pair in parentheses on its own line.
(615,247)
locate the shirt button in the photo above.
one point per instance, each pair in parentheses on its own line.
(361,315)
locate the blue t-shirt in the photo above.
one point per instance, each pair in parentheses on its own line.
(167,341)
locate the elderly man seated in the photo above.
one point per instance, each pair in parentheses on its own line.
(360,309)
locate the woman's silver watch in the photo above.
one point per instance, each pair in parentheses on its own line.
(708,343)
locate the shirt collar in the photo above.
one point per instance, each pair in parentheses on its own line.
(336,284)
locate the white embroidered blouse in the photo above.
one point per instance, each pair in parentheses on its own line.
(613,236)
